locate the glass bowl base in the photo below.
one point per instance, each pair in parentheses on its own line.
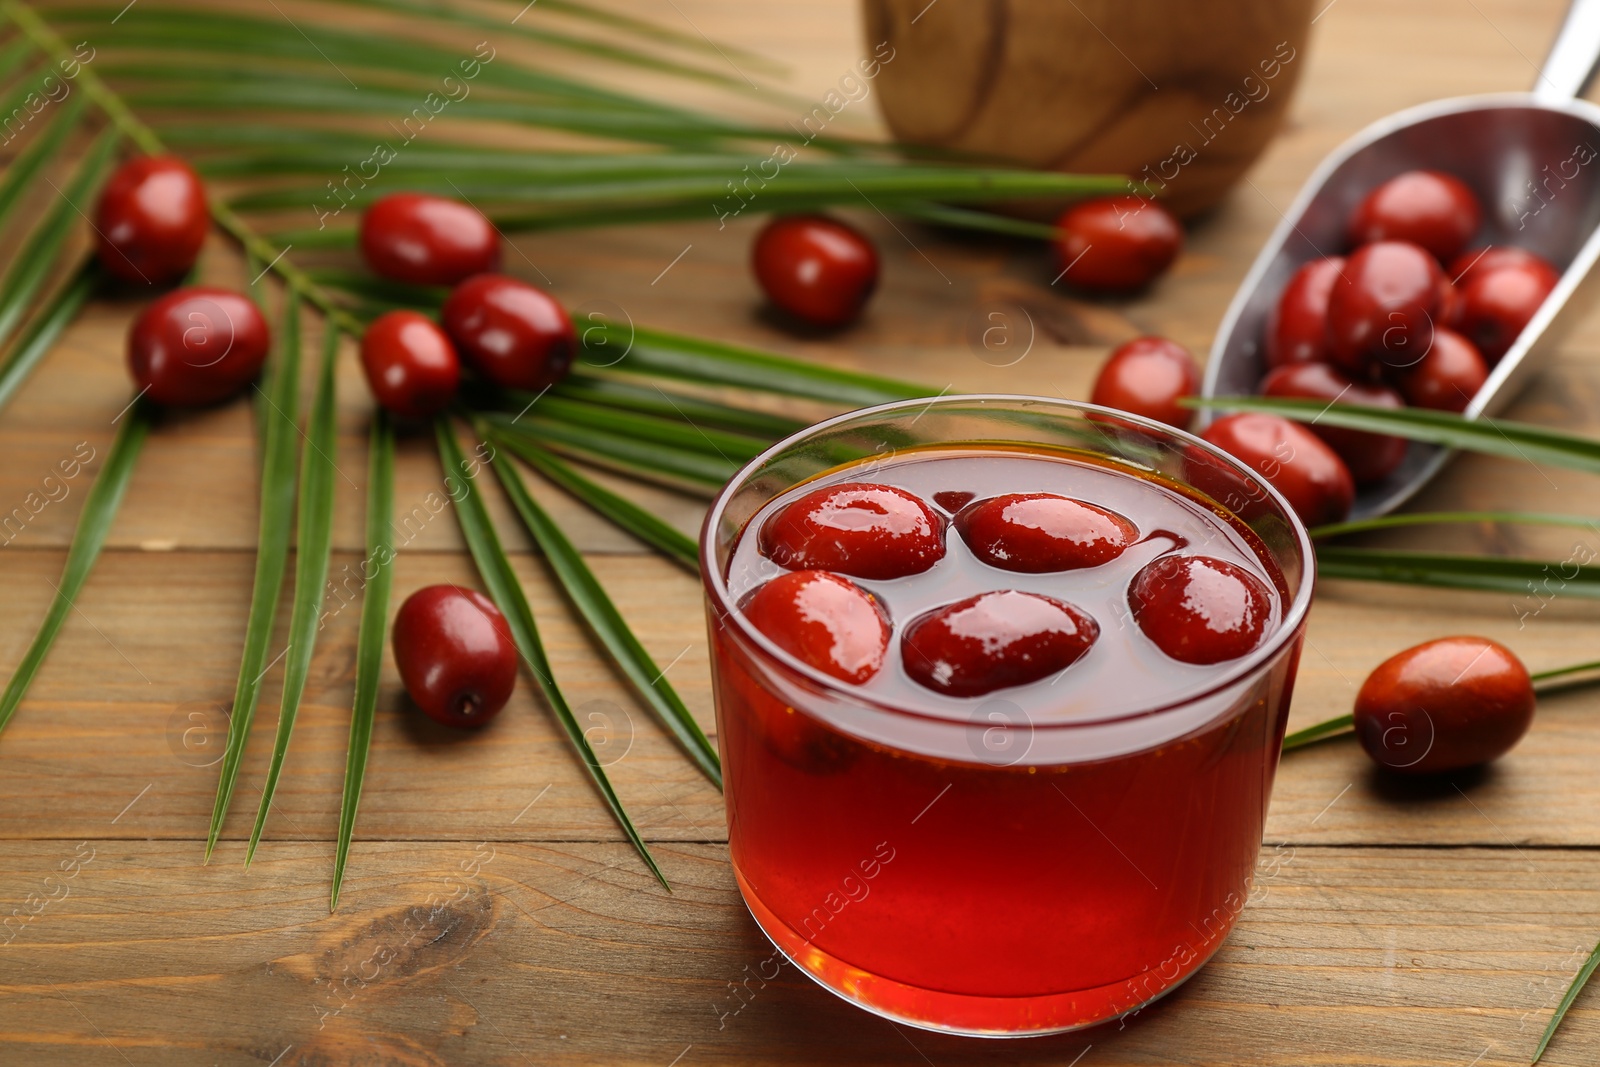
(964,1014)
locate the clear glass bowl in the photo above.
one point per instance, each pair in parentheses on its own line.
(994,874)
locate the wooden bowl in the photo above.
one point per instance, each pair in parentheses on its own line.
(1182,95)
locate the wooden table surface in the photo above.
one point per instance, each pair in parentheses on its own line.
(1391,924)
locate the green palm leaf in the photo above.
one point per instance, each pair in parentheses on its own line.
(44,330)
(39,256)
(1489,574)
(688,470)
(1430,518)
(25,169)
(313,544)
(693,359)
(506,591)
(625,514)
(586,594)
(94,524)
(1522,441)
(272,554)
(369,642)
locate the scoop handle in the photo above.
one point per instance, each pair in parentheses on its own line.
(1572,59)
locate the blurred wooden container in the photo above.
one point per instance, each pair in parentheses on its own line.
(1183,95)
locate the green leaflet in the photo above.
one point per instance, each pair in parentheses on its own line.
(45,328)
(623,512)
(99,511)
(36,260)
(272,554)
(506,591)
(20,175)
(313,544)
(1428,518)
(1580,980)
(668,355)
(1527,578)
(587,595)
(1328,728)
(369,644)
(1496,437)
(688,471)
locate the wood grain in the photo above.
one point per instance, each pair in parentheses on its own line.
(1392,925)
(516,953)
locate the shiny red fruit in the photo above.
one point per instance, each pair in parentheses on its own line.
(427,240)
(411,365)
(953,500)
(197,346)
(1297,332)
(455,653)
(1371,457)
(1308,473)
(1200,610)
(510,332)
(995,640)
(1448,377)
(1497,304)
(151,220)
(1469,264)
(1147,376)
(1424,207)
(822,620)
(815,268)
(1444,705)
(859,529)
(1382,309)
(1118,244)
(1449,313)
(1038,532)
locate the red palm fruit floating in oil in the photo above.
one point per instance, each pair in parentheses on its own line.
(856,528)
(823,620)
(1040,532)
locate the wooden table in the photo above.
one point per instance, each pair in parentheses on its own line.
(1392,924)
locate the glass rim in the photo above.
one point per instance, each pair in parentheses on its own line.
(716,587)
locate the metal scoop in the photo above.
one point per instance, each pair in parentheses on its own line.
(1534,161)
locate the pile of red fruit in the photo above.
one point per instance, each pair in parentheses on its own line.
(199,345)
(1410,316)
(511,333)
(1385,326)
(196,345)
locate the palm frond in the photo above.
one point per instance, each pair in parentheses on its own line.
(313,545)
(605,622)
(379,560)
(94,524)
(272,554)
(506,590)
